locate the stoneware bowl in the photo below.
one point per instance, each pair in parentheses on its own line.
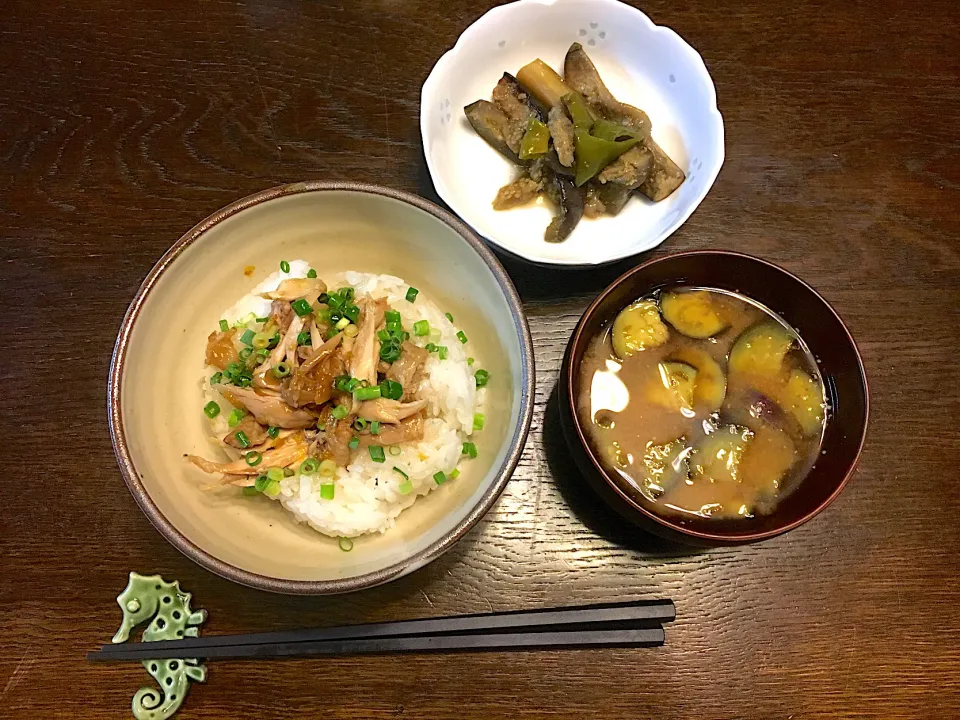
(643,64)
(156,402)
(817,323)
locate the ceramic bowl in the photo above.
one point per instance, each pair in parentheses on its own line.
(156,401)
(817,323)
(643,64)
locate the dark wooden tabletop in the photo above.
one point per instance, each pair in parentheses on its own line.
(124,123)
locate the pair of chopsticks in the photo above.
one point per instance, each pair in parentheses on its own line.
(631,624)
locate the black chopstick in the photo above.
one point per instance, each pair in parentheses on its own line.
(633,613)
(642,637)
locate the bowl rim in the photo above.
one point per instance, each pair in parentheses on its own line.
(577,338)
(499,14)
(341,585)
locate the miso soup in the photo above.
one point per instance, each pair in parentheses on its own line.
(703,401)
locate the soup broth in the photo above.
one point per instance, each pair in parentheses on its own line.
(703,401)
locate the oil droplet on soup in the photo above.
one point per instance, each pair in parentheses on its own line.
(704,402)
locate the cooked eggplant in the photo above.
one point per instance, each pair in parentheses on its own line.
(680,381)
(692,313)
(580,74)
(802,397)
(543,82)
(760,350)
(593,206)
(711,386)
(665,175)
(518,107)
(630,170)
(767,459)
(492,125)
(593,154)
(613,195)
(520,192)
(663,467)
(569,201)
(637,327)
(718,456)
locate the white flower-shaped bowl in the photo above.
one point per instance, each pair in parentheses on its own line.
(643,64)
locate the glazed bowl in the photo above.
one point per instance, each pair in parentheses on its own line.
(155,394)
(838,362)
(642,63)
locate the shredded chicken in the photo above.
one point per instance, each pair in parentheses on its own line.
(290,450)
(269,410)
(296,288)
(408,368)
(389,411)
(286,347)
(255,432)
(221,350)
(366,349)
(337,437)
(410,430)
(281,315)
(322,351)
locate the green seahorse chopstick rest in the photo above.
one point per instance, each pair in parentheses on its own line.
(167,607)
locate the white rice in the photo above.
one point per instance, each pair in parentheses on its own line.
(366,494)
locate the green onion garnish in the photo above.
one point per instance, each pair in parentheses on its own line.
(478,420)
(481,376)
(345,383)
(327,491)
(253,458)
(470,449)
(235,417)
(346,544)
(309,466)
(339,412)
(261,341)
(273,432)
(245,379)
(390,350)
(280,370)
(301,307)
(284,266)
(216,378)
(405,488)
(303,338)
(211,409)
(354,443)
(375,427)
(311,273)
(360,424)
(376,453)
(250,491)
(394,450)
(439,478)
(273,489)
(288,472)
(442,352)
(247,337)
(455,474)
(391,317)
(328,468)
(262,320)
(275,474)
(430,347)
(391,389)
(261,483)
(470,361)
(367,393)
(461,337)
(224,326)
(246,352)
(242,438)
(402,473)
(449,317)
(421,328)
(412,294)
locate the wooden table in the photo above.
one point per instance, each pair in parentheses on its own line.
(125,123)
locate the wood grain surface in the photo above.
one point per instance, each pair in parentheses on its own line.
(123,123)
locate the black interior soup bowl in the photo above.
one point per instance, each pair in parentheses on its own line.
(828,339)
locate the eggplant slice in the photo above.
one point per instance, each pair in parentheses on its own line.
(569,201)
(518,107)
(493,126)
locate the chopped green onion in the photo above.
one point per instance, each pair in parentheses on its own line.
(430,347)
(354,443)
(439,478)
(303,338)
(391,389)
(402,473)
(455,474)
(327,491)
(309,466)
(405,488)
(421,328)
(449,317)
(352,312)
(261,341)
(216,378)
(284,266)
(339,412)
(351,330)
(342,323)
(328,468)
(470,449)
(442,352)
(322,426)
(247,337)
(273,432)
(262,320)
(375,427)
(224,326)
(280,370)
(250,491)
(482,377)
(261,483)
(245,353)
(478,420)
(288,472)
(390,350)
(360,424)
(391,317)
(244,379)
(346,544)
(275,474)
(461,336)
(367,393)
(211,409)
(470,361)
(273,489)
(412,294)
(242,438)
(253,458)
(301,307)
(235,417)
(311,273)
(376,453)
(394,450)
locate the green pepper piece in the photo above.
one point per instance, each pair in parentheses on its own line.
(594,154)
(536,140)
(606,130)
(580,113)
